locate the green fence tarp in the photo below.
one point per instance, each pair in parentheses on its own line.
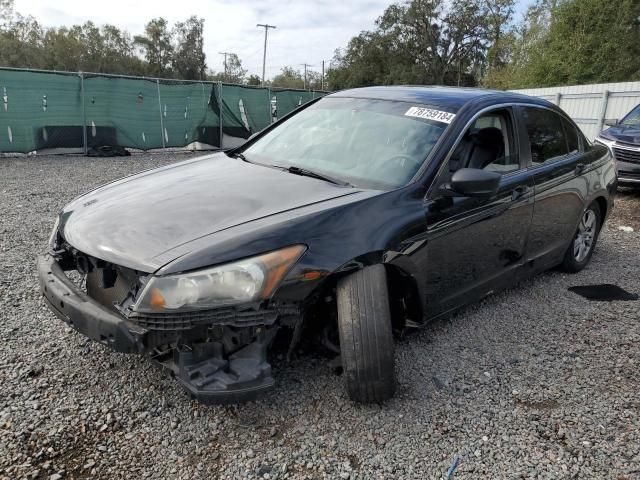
(245,110)
(39,111)
(288,100)
(122,111)
(187,114)
(43,110)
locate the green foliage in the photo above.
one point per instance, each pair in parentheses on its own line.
(424,42)
(24,43)
(157,46)
(467,42)
(573,42)
(189,59)
(288,78)
(234,72)
(6,11)
(254,80)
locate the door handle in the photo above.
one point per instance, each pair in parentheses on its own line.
(519,192)
(580,168)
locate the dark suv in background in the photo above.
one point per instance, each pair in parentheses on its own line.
(623,139)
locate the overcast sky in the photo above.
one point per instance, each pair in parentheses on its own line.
(308,30)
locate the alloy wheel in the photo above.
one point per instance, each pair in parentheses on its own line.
(583,243)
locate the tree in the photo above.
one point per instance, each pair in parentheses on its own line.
(254,80)
(314,80)
(498,17)
(89,48)
(6,12)
(234,71)
(288,77)
(419,42)
(566,42)
(189,60)
(119,52)
(157,46)
(21,43)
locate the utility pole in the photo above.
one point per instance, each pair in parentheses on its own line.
(305,74)
(266,27)
(225,62)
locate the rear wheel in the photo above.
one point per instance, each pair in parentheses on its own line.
(366,338)
(584,241)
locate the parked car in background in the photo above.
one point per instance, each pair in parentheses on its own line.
(365,212)
(623,140)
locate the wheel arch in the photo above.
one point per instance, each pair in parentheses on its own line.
(602,203)
(406,305)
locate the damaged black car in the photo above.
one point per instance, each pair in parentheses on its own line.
(356,217)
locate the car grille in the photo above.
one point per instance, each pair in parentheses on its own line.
(625,155)
(629,176)
(189,320)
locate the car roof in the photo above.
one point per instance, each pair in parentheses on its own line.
(453,97)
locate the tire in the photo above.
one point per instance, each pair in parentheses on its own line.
(366,337)
(575,258)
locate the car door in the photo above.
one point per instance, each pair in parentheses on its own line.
(558,165)
(474,244)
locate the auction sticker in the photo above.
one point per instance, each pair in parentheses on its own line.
(430,114)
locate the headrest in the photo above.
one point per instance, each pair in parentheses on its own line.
(489,136)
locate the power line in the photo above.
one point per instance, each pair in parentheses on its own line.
(264,55)
(225,62)
(305,74)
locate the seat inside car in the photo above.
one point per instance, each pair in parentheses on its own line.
(487,147)
(478,148)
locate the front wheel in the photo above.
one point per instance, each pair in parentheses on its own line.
(584,241)
(366,337)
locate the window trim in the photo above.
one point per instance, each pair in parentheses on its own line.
(520,131)
(552,160)
(581,138)
(516,136)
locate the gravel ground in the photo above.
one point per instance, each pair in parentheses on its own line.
(535,382)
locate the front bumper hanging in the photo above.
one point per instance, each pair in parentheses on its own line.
(200,368)
(84,314)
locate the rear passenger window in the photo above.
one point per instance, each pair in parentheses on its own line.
(546,135)
(572,136)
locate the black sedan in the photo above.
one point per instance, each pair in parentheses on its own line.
(623,139)
(362,214)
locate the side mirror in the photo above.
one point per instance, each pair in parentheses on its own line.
(612,122)
(474,182)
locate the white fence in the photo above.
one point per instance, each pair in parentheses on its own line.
(590,105)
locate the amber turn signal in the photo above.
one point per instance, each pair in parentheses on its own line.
(277,264)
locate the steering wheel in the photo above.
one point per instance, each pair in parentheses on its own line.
(400,161)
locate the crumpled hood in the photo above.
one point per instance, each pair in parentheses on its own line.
(623,133)
(132,221)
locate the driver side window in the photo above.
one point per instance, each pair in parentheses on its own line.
(489,144)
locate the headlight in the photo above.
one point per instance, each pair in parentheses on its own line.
(604,141)
(247,280)
(54,234)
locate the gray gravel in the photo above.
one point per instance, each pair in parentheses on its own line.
(535,382)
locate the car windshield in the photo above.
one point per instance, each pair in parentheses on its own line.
(633,117)
(368,143)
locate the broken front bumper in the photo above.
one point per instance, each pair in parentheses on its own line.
(85,315)
(201,368)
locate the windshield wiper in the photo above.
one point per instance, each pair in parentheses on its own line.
(321,176)
(240,156)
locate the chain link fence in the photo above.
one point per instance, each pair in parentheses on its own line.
(45,110)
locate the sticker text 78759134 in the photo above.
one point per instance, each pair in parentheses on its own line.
(430,114)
